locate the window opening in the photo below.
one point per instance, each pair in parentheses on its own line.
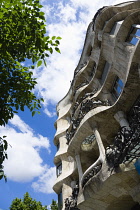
(59,169)
(105,71)
(58,146)
(134,35)
(118,87)
(60,201)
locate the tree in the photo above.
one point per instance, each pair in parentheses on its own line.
(22,38)
(54,205)
(27,203)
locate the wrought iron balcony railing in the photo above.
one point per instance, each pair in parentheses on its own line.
(86,105)
(80,67)
(79,86)
(126,145)
(94,170)
(71,201)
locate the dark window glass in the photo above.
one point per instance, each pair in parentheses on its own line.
(134,35)
(60,201)
(59,169)
(105,71)
(133,40)
(58,146)
(138,32)
(118,87)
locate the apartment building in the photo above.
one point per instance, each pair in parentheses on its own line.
(98,126)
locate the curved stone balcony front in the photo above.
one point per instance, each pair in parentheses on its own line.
(91,172)
(106,189)
(97,165)
(113,177)
(86,105)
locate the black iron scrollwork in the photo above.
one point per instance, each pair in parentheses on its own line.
(92,173)
(79,86)
(71,202)
(80,67)
(86,105)
(116,153)
(126,145)
(86,95)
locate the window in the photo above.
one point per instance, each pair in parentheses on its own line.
(118,87)
(116,28)
(59,169)
(134,35)
(58,146)
(60,201)
(105,71)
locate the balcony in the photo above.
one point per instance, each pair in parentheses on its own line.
(84,107)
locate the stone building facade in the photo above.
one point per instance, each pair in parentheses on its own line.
(98,125)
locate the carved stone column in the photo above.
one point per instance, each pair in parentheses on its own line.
(99,142)
(79,166)
(80,197)
(121,119)
(80,172)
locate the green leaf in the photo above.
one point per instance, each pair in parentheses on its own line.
(39,63)
(22,108)
(40,6)
(1,176)
(58,37)
(33,113)
(5,145)
(51,50)
(57,49)
(46,55)
(4,136)
(57,42)
(46,38)
(44,62)
(6,156)
(54,37)
(42,13)
(32,67)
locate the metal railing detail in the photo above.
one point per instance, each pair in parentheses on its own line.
(126,145)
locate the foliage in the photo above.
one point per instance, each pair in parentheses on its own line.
(54,205)
(22,38)
(27,203)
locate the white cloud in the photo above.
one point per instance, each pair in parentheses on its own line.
(67,13)
(45,181)
(50,114)
(24,162)
(20,124)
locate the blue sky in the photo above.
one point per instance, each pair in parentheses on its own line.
(30,165)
